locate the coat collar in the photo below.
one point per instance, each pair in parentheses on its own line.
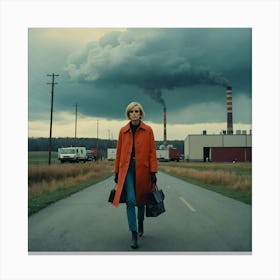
(127,126)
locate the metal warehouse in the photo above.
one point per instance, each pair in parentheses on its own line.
(218,147)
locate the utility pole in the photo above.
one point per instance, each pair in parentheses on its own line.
(97,139)
(52,93)
(76,121)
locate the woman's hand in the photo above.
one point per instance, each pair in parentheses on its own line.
(116,177)
(153,178)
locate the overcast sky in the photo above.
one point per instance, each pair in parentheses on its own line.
(103,70)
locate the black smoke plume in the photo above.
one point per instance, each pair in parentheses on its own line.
(156,95)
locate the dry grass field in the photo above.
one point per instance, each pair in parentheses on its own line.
(231,175)
(48,183)
(45,178)
(230,179)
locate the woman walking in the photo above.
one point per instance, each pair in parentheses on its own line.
(135,167)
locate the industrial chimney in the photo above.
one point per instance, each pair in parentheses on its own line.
(164,127)
(229,110)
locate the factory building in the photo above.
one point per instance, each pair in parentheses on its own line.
(223,147)
(218,147)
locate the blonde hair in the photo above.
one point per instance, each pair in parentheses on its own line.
(132,105)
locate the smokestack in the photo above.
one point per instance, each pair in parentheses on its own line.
(164,127)
(229,110)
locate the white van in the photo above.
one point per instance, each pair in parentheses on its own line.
(111,154)
(72,154)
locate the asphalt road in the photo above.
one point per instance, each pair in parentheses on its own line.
(196,220)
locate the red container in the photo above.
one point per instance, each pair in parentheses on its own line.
(174,154)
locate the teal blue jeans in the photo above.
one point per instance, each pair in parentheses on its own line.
(131,200)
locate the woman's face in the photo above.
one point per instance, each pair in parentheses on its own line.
(134,113)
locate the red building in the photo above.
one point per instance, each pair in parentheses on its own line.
(230,154)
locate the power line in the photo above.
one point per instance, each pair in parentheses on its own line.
(52,93)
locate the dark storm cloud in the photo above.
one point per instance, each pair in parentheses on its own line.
(157,59)
(162,61)
(182,68)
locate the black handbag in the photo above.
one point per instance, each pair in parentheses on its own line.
(112,196)
(154,203)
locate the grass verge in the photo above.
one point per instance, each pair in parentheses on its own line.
(48,184)
(36,203)
(231,180)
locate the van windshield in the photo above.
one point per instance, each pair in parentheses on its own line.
(67,151)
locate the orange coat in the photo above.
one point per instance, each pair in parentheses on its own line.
(145,160)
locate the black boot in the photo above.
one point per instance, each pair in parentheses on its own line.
(134,241)
(140,228)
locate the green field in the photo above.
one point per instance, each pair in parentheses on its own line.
(39,158)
